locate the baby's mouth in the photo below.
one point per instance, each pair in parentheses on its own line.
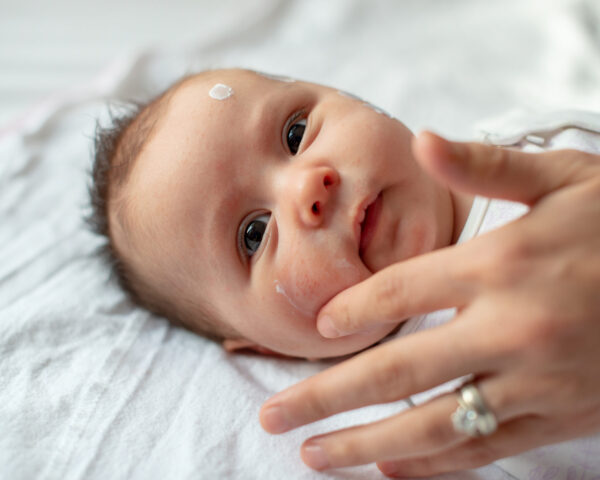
(369,224)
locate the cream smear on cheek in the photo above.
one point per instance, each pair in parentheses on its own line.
(220,91)
(366,104)
(307,289)
(281,290)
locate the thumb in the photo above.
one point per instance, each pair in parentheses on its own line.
(498,172)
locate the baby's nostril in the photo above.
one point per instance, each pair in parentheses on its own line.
(315,208)
(327,181)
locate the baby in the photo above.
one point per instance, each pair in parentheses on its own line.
(237,204)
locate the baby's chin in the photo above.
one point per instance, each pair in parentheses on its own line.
(323,348)
(376,260)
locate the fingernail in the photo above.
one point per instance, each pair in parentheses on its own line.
(390,469)
(314,456)
(326,328)
(273,420)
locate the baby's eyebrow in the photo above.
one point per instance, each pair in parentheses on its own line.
(267,118)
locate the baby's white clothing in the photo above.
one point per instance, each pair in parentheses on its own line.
(576,459)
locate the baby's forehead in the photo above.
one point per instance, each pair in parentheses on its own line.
(237,84)
(201,114)
(228,77)
(213,101)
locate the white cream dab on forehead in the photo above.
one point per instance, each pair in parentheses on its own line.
(220,91)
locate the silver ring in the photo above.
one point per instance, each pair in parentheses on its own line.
(473,417)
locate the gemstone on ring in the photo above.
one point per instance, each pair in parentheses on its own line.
(465,420)
(473,417)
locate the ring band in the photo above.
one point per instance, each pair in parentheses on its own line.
(473,417)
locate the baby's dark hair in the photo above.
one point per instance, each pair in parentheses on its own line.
(116,148)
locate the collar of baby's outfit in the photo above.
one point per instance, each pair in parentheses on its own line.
(475,219)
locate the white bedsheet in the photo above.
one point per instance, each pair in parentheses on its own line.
(93,388)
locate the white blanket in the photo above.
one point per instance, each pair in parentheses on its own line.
(94,388)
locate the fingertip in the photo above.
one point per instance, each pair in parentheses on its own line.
(438,155)
(313,455)
(272,419)
(389,469)
(326,327)
(262,418)
(428,136)
(427,140)
(429,147)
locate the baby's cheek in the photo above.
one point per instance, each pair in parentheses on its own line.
(306,284)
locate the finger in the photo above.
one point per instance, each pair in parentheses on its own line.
(417,285)
(499,172)
(423,430)
(510,439)
(390,372)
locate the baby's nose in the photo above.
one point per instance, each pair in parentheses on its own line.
(315,188)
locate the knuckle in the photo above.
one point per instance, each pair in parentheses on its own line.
(392,376)
(346,316)
(499,161)
(354,321)
(515,248)
(542,332)
(345,319)
(575,166)
(503,399)
(317,406)
(508,258)
(539,388)
(495,165)
(470,272)
(390,292)
(440,433)
(345,451)
(351,322)
(477,272)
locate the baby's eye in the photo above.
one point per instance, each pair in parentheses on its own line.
(294,135)
(253,233)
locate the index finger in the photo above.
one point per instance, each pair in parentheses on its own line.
(387,373)
(501,172)
(422,284)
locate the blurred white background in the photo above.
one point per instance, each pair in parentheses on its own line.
(47,46)
(450,63)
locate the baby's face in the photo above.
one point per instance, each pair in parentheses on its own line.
(270,201)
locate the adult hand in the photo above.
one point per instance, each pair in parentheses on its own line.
(528,327)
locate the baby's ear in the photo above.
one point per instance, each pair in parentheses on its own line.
(236,344)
